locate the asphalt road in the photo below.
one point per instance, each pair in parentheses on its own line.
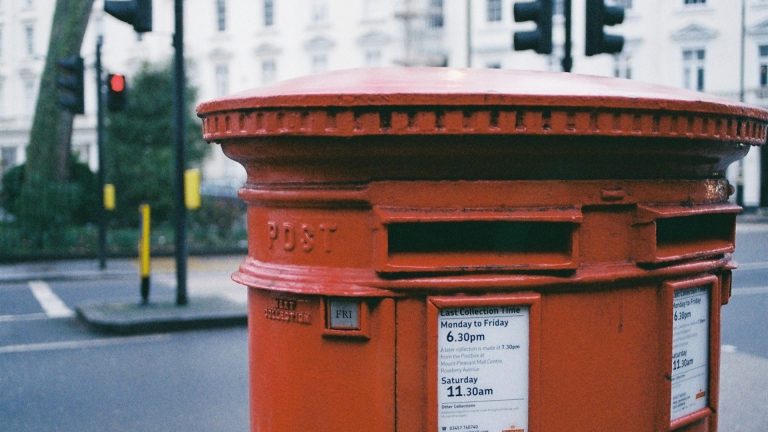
(55,375)
(745,318)
(744,337)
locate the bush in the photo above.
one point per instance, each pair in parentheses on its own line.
(43,209)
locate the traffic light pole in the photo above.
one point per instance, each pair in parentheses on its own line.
(567,61)
(178,113)
(100,150)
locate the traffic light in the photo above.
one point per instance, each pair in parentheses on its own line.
(598,16)
(540,39)
(115,92)
(69,80)
(135,12)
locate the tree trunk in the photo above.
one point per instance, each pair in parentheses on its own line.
(51,134)
(47,198)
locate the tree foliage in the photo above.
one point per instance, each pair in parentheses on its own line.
(140,145)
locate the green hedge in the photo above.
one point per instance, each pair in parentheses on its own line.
(218,227)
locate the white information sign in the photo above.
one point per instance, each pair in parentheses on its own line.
(482,370)
(690,351)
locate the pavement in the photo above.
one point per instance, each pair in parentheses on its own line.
(214,300)
(753,216)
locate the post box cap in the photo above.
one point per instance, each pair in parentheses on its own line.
(445,101)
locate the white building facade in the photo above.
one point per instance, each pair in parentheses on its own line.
(233,45)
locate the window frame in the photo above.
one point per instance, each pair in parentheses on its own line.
(268,13)
(221,79)
(494,11)
(694,68)
(221,15)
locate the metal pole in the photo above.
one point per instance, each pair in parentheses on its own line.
(567,61)
(741,60)
(100,150)
(178,112)
(740,163)
(469,33)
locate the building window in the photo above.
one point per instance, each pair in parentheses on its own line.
(319,63)
(763,66)
(7,159)
(693,69)
(29,38)
(622,66)
(268,71)
(691,2)
(222,79)
(493,10)
(29,96)
(373,57)
(319,12)
(221,15)
(269,13)
(558,8)
(436,13)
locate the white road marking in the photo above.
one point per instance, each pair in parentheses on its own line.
(82,344)
(23,317)
(728,349)
(50,302)
(749,291)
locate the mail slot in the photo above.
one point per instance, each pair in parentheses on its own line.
(484,250)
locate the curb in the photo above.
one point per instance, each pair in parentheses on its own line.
(126,318)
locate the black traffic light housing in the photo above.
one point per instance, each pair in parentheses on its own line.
(135,12)
(540,39)
(70,82)
(598,16)
(116,88)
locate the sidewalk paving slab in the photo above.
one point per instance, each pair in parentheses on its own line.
(162,316)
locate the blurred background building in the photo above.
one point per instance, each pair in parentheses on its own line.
(233,45)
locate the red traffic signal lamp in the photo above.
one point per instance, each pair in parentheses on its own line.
(135,12)
(116,92)
(539,39)
(598,16)
(70,82)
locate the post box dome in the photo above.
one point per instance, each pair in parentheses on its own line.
(442,101)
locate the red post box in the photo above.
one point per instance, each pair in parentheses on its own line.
(483,250)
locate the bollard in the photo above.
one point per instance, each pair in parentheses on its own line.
(144,250)
(109,197)
(445,249)
(192,198)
